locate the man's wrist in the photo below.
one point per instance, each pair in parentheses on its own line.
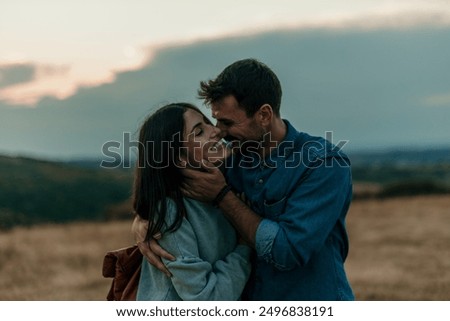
(224,191)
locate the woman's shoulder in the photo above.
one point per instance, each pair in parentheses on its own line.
(196,211)
(172,207)
(191,206)
(172,210)
(198,206)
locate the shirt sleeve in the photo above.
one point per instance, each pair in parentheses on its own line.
(310,213)
(196,279)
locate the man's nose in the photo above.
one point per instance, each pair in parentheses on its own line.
(220,126)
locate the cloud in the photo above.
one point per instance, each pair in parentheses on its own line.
(121,52)
(16,74)
(371,21)
(362,86)
(438,100)
(403,20)
(19,73)
(26,83)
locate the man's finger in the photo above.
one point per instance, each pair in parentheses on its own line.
(159,251)
(190,173)
(152,258)
(208,166)
(139,228)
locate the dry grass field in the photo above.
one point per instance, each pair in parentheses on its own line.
(400,248)
(399,251)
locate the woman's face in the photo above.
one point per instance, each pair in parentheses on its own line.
(202,140)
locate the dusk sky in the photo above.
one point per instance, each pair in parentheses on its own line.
(65,44)
(76,74)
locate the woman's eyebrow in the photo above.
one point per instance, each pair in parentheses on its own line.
(195,126)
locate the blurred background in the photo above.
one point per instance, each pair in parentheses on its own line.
(372,76)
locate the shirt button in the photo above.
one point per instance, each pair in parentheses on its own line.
(260,181)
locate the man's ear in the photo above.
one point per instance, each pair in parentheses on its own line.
(265,114)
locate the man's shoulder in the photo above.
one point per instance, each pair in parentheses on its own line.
(317,147)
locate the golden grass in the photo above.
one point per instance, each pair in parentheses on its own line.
(59,262)
(399,250)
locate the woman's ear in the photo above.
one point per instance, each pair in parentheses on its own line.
(265,114)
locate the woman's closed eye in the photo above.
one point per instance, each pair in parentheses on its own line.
(198,131)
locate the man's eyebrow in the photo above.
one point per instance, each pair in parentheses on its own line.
(224,120)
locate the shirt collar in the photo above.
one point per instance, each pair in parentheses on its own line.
(286,146)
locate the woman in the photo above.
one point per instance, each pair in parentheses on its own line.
(209,262)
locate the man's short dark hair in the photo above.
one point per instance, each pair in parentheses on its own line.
(251,82)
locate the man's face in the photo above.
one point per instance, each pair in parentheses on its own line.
(234,123)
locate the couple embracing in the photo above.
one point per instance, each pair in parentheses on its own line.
(261,217)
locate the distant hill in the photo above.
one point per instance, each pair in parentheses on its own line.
(392,166)
(35,191)
(402,157)
(401,172)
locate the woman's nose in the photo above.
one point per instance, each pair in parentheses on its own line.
(221,128)
(215,131)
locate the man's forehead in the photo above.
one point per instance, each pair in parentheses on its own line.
(216,106)
(226,107)
(216,109)
(228,101)
(222,113)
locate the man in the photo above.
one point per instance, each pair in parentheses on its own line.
(298,190)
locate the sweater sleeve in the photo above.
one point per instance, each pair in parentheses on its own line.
(196,279)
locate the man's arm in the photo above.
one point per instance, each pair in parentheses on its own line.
(244,220)
(206,185)
(311,212)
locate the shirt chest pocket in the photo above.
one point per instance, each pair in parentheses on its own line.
(273,209)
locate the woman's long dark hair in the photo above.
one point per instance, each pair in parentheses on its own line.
(157,176)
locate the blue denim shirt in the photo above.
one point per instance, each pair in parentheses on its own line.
(303,191)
